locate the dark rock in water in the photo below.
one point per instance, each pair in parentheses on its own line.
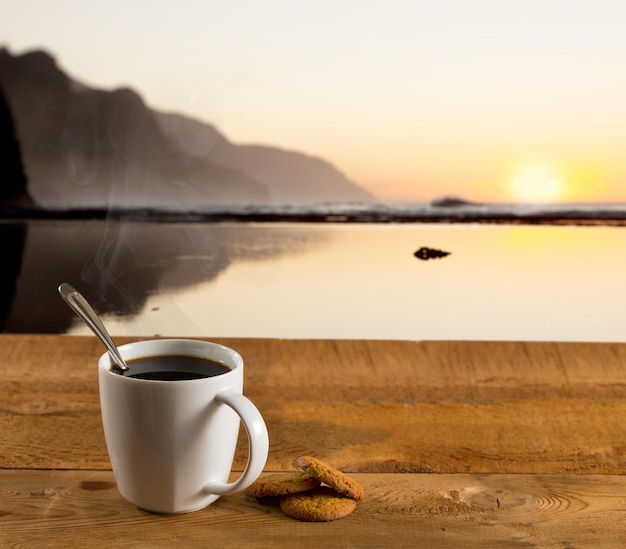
(452,202)
(430,253)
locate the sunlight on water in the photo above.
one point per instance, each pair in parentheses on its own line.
(363,281)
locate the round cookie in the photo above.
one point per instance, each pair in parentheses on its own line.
(320,505)
(327,474)
(281,484)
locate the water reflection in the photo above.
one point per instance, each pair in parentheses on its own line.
(533,283)
(118,265)
(498,283)
(13,237)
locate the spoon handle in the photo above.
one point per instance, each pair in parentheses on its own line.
(82,308)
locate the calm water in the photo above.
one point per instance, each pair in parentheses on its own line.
(322,280)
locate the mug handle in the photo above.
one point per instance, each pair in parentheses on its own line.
(258,440)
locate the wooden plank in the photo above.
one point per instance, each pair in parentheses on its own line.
(437,370)
(367,406)
(84,509)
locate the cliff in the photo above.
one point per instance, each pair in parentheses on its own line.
(86,147)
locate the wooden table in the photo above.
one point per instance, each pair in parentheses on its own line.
(457,444)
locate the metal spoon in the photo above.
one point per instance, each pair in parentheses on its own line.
(85,311)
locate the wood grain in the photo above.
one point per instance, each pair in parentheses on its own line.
(366,406)
(84,509)
(474,412)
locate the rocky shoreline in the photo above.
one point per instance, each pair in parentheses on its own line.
(268,215)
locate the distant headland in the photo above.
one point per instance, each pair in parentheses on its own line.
(78,147)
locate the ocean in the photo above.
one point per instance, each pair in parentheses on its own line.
(410,272)
(450,210)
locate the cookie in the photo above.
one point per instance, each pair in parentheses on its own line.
(330,476)
(281,484)
(320,505)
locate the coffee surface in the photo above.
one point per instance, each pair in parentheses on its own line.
(173,368)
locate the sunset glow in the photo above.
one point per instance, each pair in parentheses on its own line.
(538,183)
(411,100)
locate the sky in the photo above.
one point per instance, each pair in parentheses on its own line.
(489,100)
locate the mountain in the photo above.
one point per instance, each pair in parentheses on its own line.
(292,177)
(13,184)
(91,148)
(85,147)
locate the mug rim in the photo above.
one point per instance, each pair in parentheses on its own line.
(236,363)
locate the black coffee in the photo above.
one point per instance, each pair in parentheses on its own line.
(173,368)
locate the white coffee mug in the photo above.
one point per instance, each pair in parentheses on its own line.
(172,443)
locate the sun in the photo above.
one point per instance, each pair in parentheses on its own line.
(538,182)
